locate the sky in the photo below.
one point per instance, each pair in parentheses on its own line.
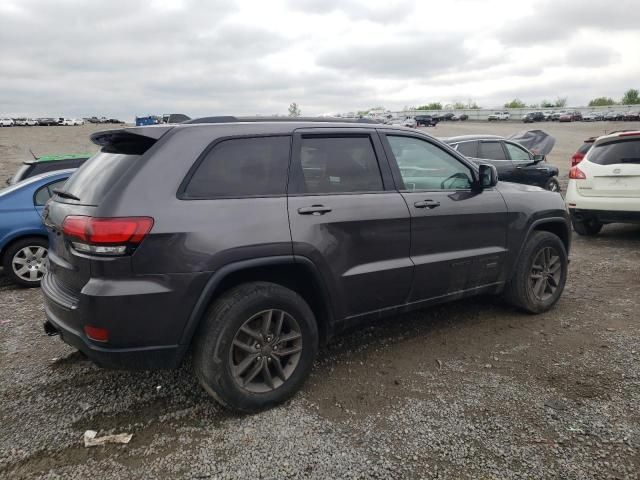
(122,58)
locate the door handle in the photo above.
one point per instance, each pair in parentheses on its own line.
(314,210)
(427,204)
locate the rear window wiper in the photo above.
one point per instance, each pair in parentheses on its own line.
(63,194)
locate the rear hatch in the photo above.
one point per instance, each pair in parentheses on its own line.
(612,168)
(82,195)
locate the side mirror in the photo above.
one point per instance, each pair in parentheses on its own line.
(487,176)
(539,158)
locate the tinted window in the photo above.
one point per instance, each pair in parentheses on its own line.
(585,147)
(242,167)
(46,192)
(92,181)
(339,164)
(42,167)
(424,166)
(492,151)
(468,149)
(621,151)
(517,154)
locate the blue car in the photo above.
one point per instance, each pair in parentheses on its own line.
(23,238)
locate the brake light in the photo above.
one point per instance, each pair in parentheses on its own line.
(576,158)
(629,134)
(106,236)
(576,174)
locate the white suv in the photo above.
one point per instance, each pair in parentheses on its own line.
(72,122)
(6,122)
(497,116)
(605,186)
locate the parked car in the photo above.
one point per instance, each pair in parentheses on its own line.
(23,238)
(566,117)
(6,122)
(556,115)
(47,121)
(614,116)
(72,122)
(577,157)
(463,117)
(497,116)
(513,162)
(410,123)
(548,114)
(426,121)
(592,117)
(576,116)
(47,163)
(605,187)
(632,116)
(252,271)
(531,117)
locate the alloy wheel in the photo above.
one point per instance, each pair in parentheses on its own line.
(29,263)
(266,351)
(546,273)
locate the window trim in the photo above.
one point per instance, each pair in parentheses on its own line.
(393,163)
(295,171)
(181,192)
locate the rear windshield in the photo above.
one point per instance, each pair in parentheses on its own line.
(96,176)
(619,151)
(585,147)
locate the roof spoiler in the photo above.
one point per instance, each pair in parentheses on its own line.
(129,141)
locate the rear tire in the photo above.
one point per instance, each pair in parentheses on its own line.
(587,227)
(24,261)
(246,366)
(540,276)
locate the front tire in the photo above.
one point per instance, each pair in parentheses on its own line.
(552,185)
(24,261)
(587,227)
(541,274)
(256,347)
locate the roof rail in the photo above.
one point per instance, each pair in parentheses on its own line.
(233,119)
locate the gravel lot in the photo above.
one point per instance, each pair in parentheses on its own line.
(472,389)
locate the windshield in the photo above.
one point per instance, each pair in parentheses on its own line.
(618,151)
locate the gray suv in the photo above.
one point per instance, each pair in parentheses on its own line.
(252,242)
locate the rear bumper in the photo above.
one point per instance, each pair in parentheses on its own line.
(605,216)
(145,318)
(576,201)
(145,358)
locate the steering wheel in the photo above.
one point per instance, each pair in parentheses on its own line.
(455,176)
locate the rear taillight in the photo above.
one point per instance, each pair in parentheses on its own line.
(576,158)
(106,236)
(96,334)
(576,174)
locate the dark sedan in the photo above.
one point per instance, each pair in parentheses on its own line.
(514,162)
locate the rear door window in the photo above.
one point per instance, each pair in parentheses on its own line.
(619,151)
(339,164)
(242,167)
(468,149)
(492,151)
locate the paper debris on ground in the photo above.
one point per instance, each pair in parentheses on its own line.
(92,440)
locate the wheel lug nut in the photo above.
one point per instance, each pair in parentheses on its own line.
(258,345)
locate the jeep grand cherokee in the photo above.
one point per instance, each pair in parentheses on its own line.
(252,242)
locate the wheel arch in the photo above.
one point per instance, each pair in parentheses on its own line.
(294,272)
(559,226)
(16,237)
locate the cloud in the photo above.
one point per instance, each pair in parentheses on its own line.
(383,12)
(551,20)
(417,57)
(591,56)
